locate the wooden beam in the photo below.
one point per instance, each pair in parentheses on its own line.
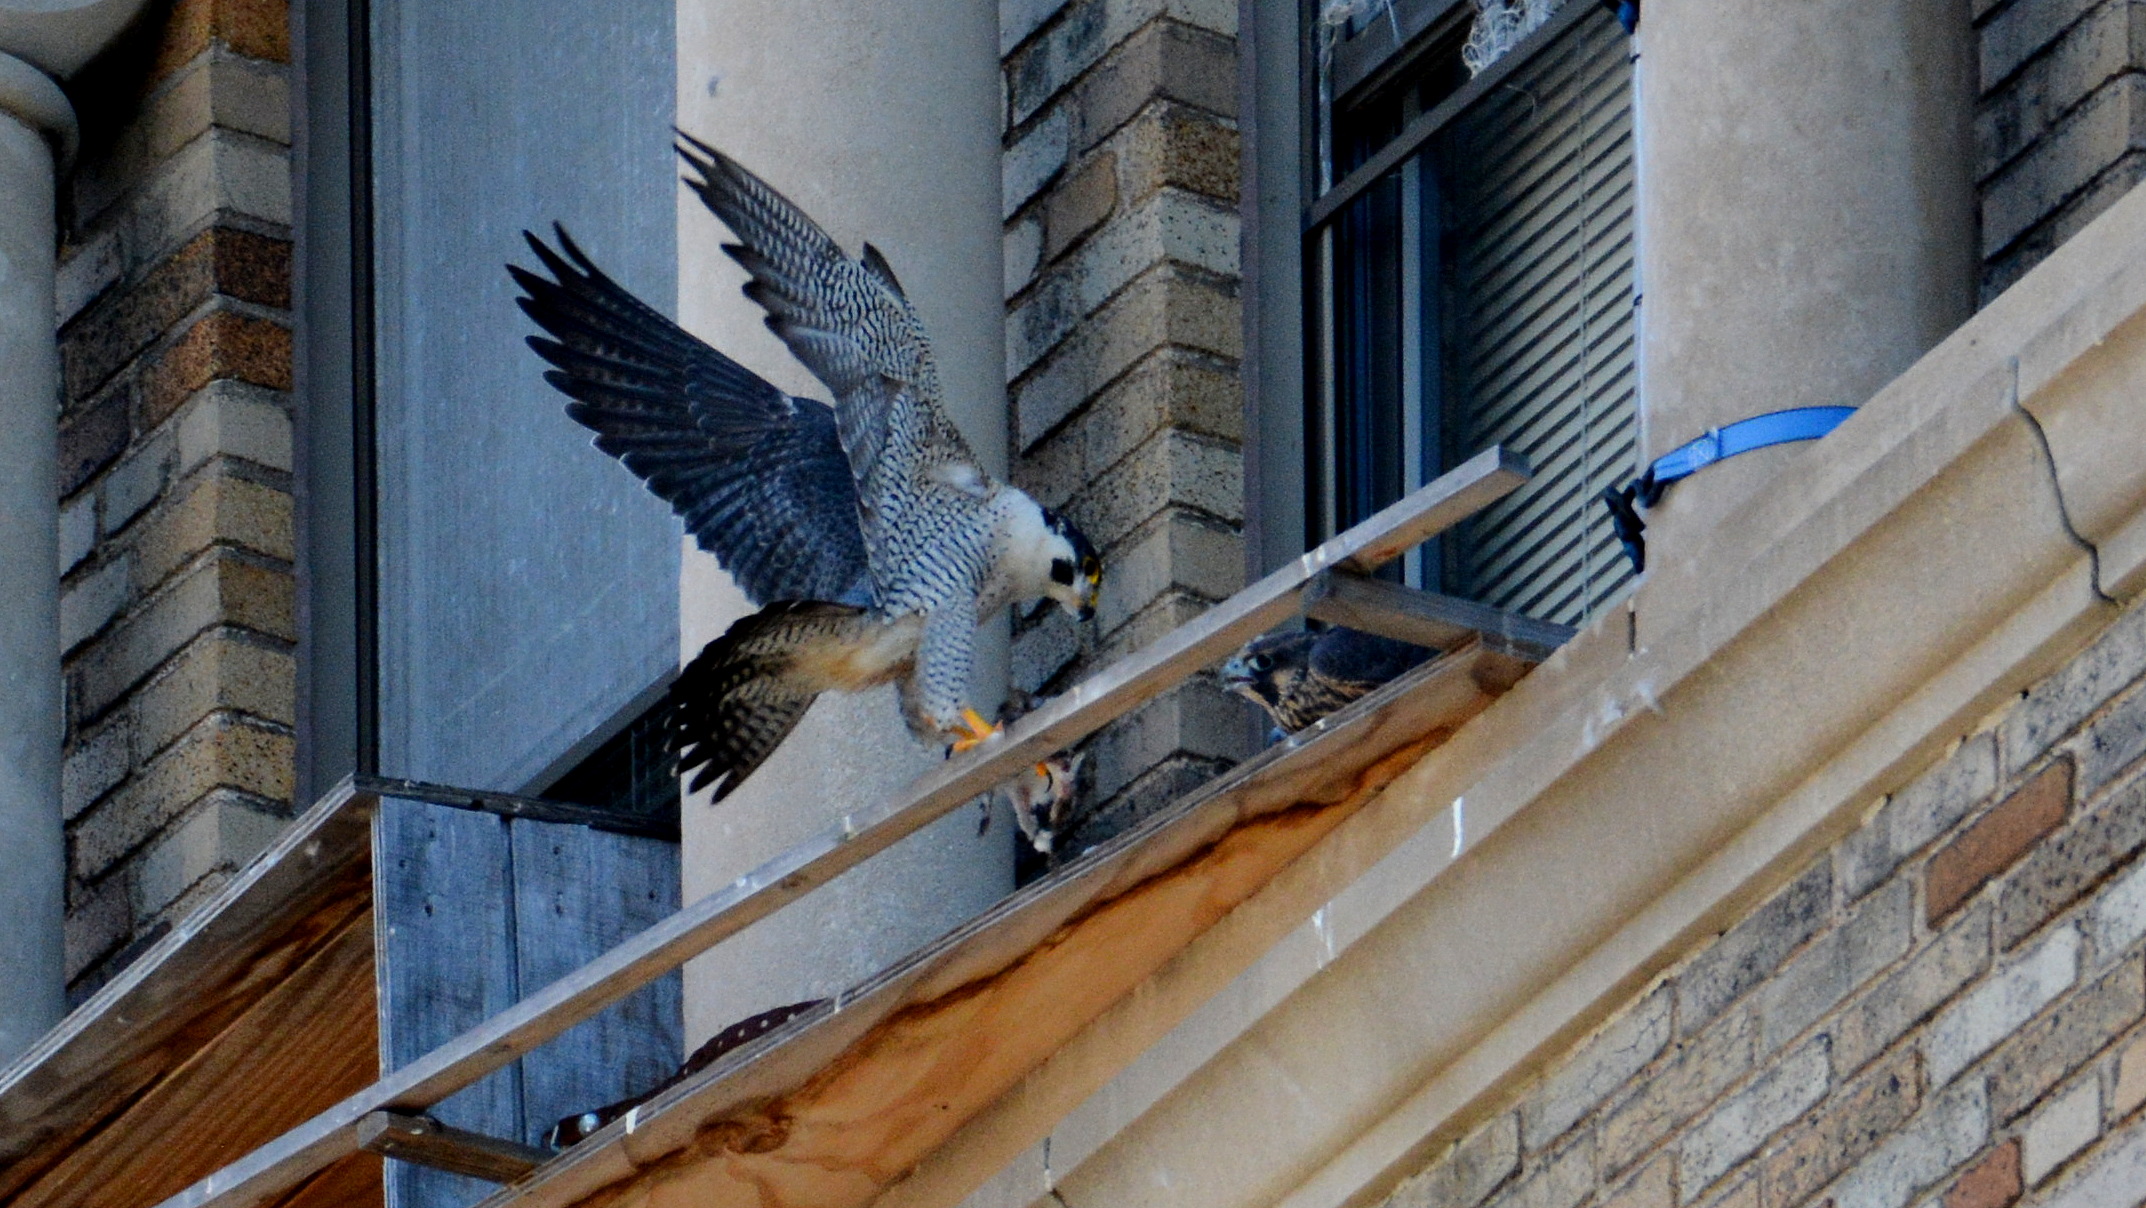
(272,917)
(353,1182)
(424,1141)
(1427,618)
(1089,706)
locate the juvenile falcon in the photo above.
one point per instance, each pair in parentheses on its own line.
(867,533)
(1300,675)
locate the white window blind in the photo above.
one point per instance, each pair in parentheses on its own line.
(1537,183)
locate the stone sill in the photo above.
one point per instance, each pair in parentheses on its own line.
(1895,585)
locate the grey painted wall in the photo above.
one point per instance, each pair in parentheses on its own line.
(528,584)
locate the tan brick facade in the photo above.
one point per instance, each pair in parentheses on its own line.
(1947,1007)
(1123,339)
(2057,133)
(176,542)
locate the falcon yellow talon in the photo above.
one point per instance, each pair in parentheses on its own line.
(980,731)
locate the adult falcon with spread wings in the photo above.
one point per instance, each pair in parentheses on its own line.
(866,533)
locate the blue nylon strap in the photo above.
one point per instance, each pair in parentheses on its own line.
(1758,432)
(1773,428)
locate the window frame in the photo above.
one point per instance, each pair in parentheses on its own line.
(1380,60)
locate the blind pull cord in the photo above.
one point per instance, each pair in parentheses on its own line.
(1758,432)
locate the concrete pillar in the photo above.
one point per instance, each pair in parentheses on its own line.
(1807,216)
(881,119)
(39,40)
(33,992)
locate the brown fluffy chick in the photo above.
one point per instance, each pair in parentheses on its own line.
(1040,795)
(1299,676)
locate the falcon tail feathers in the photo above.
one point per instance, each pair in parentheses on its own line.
(743,694)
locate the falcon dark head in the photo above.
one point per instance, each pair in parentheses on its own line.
(1270,672)
(1076,570)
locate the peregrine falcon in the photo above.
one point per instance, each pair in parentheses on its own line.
(867,533)
(1301,675)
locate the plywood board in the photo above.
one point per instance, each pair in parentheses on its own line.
(474,907)
(277,915)
(353,1182)
(445,902)
(577,894)
(304,1044)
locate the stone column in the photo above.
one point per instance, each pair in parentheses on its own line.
(32,977)
(39,40)
(1807,217)
(881,119)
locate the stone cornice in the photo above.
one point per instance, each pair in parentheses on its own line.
(59,36)
(1670,767)
(30,95)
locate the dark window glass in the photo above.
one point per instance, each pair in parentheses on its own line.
(528,585)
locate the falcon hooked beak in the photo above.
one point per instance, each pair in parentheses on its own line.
(1076,570)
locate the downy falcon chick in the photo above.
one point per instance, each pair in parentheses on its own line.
(867,533)
(1300,675)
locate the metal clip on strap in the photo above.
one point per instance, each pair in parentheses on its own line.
(1758,432)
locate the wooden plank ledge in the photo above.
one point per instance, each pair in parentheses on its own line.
(152,1039)
(275,1168)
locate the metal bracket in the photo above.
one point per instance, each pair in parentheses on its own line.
(424,1141)
(513,805)
(1427,618)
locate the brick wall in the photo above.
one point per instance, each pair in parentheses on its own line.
(176,543)
(2060,132)
(1123,340)
(1947,1008)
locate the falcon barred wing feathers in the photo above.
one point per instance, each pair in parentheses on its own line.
(867,532)
(849,322)
(758,477)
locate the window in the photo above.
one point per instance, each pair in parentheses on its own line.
(1468,262)
(527,588)
(493,603)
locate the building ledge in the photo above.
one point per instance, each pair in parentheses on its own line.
(1894,586)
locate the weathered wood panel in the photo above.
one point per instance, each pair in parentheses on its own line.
(830,1109)
(306,1043)
(276,918)
(354,1182)
(445,911)
(578,893)
(474,906)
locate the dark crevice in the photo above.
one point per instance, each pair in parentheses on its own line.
(2056,487)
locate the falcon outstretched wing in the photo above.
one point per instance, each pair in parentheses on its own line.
(759,477)
(850,324)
